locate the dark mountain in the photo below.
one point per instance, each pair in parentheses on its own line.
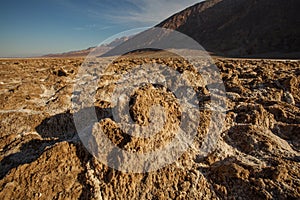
(241,27)
(236,28)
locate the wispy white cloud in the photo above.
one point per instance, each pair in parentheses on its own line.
(91,27)
(152,11)
(145,12)
(132,12)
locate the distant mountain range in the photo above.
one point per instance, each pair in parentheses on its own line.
(100,49)
(230,28)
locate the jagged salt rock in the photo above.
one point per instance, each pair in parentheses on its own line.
(288,97)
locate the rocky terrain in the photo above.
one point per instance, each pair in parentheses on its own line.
(257,155)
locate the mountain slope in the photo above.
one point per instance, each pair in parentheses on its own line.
(233,28)
(241,27)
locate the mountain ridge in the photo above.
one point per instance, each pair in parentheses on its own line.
(226,28)
(84,52)
(229,28)
(240,28)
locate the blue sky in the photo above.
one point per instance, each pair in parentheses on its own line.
(37,27)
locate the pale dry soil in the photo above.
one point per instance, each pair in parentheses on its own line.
(257,155)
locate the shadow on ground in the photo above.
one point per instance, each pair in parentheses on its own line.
(55,129)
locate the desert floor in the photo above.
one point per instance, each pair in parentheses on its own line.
(256,156)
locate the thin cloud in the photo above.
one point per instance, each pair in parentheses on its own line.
(129,12)
(152,11)
(92,27)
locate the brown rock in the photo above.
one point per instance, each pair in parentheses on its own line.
(257,154)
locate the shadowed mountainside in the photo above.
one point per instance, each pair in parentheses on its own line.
(241,27)
(232,28)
